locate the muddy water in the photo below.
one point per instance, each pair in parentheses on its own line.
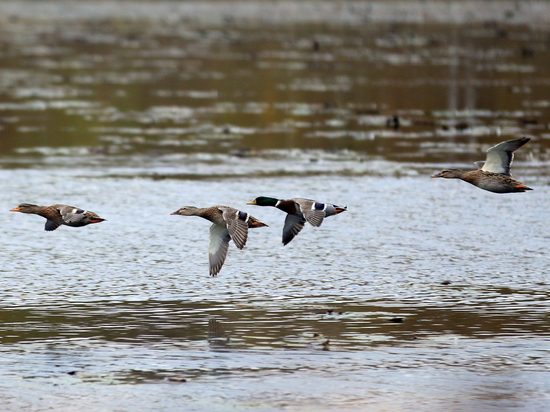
(425,294)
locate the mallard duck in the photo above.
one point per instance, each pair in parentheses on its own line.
(57,215)
(227,224)
(493,174)
(299,211)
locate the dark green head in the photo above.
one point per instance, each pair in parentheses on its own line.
(263,201)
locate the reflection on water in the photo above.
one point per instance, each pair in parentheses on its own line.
(279,327)
(425,293)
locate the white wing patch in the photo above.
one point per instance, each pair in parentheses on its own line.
(237,225)
(498,161)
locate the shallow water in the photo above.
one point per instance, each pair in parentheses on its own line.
(425,294)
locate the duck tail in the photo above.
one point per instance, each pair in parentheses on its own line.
(522,188)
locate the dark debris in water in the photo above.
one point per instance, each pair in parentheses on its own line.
(177,379)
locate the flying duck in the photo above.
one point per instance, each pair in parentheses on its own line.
(57,215)
(493,174)
(299,211)
(227,224)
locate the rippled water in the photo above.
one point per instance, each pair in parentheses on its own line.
(425,294)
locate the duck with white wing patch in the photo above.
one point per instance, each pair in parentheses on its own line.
(299,211)
(58,214)
(492,175)
(227,224)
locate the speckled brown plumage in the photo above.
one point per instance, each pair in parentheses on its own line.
(227,224)
(494,174)
(59,214)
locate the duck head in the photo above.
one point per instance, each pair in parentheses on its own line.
(25,208)
(449,174)
(263,201)
(186,211)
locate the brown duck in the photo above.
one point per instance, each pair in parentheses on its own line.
(227,224)
(57,215)
(494,174)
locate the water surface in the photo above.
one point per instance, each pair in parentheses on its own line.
(425,294)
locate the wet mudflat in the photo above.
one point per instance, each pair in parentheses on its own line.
(424,294)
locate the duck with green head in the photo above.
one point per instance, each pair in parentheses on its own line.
(299,211)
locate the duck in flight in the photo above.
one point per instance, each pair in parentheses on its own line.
(299,211)
(227,224)
(493,174)
(57,215)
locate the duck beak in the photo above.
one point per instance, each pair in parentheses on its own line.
(436,175)
(174,213)
(16,209)
(251,202)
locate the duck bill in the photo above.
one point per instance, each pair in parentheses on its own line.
(174,213)
(15,209)
(435,175)
(251,202)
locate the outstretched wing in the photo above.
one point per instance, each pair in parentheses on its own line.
(237,225)
(314,212)
(499,157)
(217,249)
(293,225)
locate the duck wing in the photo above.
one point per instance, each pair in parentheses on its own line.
(293,225)
(499,157)
(70,215)
(53,217)
(52,225)
(217,249)
(237,225)
(314,212)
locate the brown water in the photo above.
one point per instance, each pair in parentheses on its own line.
(425,294)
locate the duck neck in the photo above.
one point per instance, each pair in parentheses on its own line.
(457,174)
(212,214)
